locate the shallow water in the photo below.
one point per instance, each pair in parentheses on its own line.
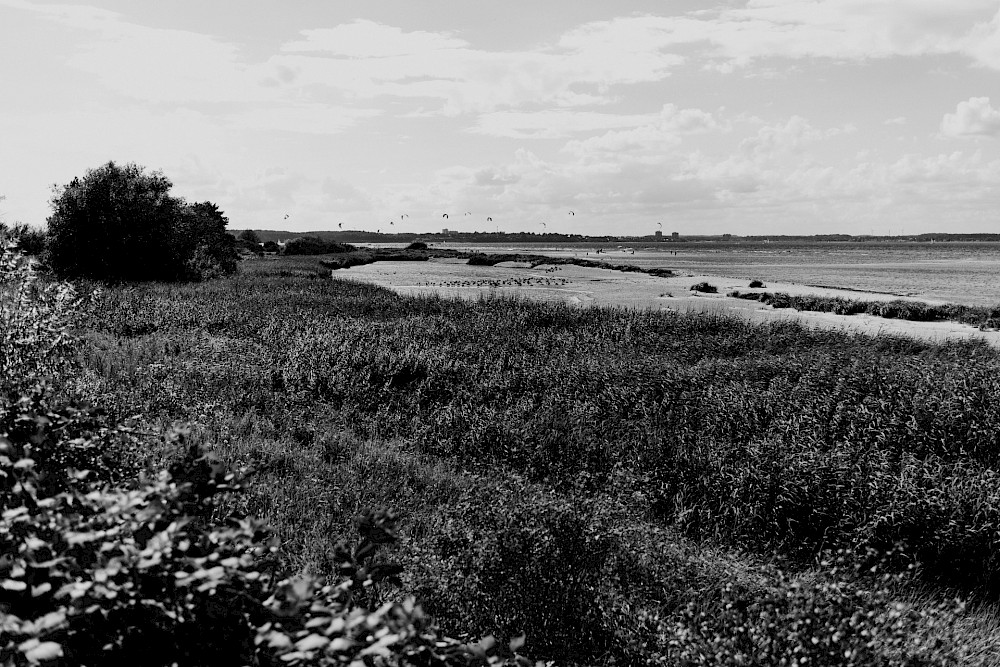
(967,273)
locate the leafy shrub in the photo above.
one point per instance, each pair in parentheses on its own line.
(480,259)
(417,245)
(705,288)
(26,239)
(249,237)
(314,245)
(757,283)
(121,224)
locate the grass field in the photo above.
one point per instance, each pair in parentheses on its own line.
(625,487)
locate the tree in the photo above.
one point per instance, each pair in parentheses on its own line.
(27,239)
(120,223)
(210,250)
(250,237)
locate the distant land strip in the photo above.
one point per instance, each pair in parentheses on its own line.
(360,257)
(853,289)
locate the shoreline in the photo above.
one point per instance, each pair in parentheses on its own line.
(589,287)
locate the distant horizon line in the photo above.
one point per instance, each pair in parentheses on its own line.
(604,237)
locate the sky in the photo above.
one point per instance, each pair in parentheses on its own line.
(574,116)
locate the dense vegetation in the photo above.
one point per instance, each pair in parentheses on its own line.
(611,483)
(101,565)
(900,309)
(314,245)
(119,223)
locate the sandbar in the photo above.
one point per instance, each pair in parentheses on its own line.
(588,287)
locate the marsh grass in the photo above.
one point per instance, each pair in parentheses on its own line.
(979,316)
(619,465)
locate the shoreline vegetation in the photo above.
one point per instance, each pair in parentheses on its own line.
(597,486)
(357,257)
(623,487)
(915,311)
(984,318)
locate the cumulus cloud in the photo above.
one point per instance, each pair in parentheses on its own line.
(972,118)
(789,136)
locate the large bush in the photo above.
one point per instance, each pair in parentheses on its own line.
(314,245)
(119,223)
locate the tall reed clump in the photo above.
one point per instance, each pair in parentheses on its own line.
(100,567)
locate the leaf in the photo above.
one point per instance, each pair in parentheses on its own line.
(44,651)
(311,642)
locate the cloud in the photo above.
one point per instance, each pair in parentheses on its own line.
(341,196)
(553,123)
(972,118)
(151,64)
(367,39)
(579,70)
(845,30)
(790,136)
(652,134)
(852,29)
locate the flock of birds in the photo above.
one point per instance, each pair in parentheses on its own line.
(446,216)
(508,282)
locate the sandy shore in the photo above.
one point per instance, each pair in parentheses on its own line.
(601,287)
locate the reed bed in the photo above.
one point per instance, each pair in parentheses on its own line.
(612,482)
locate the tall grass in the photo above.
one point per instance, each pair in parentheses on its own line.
(559,470)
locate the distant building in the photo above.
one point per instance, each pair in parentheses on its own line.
(445,231)
(675,235)
(659,235)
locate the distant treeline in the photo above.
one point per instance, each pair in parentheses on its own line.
(357,236)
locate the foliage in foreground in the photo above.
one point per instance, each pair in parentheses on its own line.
(119,223)
(97,568)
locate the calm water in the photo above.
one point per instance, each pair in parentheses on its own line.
(966,273)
